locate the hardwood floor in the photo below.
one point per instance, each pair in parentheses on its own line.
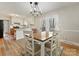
(11,48)
(16,48)
(2,47)
(70,49)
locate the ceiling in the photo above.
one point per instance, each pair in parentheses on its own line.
(23,8)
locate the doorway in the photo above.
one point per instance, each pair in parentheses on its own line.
(1,28)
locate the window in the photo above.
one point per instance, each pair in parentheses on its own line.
(50,23)
(43,25)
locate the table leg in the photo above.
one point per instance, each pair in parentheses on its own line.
(42,49)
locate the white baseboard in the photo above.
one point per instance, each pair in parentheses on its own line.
(70,42)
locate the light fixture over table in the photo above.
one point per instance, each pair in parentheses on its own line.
(35,11)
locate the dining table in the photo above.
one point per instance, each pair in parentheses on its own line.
(42,38)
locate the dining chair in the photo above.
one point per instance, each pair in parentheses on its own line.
(31,47)
(52,46)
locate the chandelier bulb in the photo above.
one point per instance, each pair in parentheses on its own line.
(30,2)
(36,3)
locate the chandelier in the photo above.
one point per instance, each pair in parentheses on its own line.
(35,11)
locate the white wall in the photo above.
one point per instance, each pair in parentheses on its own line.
(68,21)
(29,19)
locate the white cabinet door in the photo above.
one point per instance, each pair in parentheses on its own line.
(19,34)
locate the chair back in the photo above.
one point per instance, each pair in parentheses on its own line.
(29,41)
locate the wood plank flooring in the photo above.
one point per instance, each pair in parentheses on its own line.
(70,49)
(11,48)
(16,48)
